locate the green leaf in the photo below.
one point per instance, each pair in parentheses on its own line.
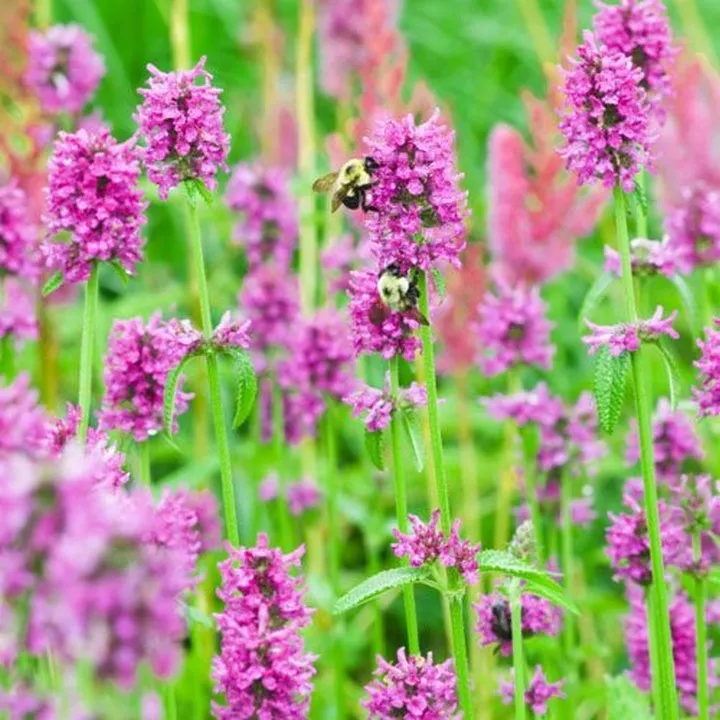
(609,386)
(196,616)
(54,282)
(195,189)
(640,197)
(412,429)
(530,437)
(246,388)
(171,385)
(594,295)
(375,446)
(625,700)
(379,584)
(501,562)
(552,591)
(688,300)
(439,282)
(671,369)
(206,195)
(120,270)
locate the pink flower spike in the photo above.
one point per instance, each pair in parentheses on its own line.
(538,693)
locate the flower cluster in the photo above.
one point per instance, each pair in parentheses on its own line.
(375,328)
(413,687)
(641,31)
(93,195)
(262,669)
(428,543)
(379,405)
(628,336)
(494,626)
(539,692)
(267,227)
(512,330)
(682,630)
(340,258)
(63,68)
(707,395)
(647,258)
(607,117)
(17,311)
(181,123)
(137,364)
(302,495)
(676,445)
(18,234)
(23,423)
(420,211)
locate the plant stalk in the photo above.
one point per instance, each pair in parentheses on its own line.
(566,549)
(664,673)
(701,641)
(87,348)
(517,649)
(144,467)
(437,466)
(284,524)
(402,509)
(221,438)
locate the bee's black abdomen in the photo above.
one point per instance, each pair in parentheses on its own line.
(352,202)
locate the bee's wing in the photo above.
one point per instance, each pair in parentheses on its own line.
(325,183)
(339,196)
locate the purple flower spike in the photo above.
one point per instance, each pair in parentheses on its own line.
(231,333)
(63,69)
(93,195)
(262,669)
(607,117)
(707,395)
(648,257)
(513,330)
(17,311)
(181,124)
(414,687)
(18,234)
(538,693)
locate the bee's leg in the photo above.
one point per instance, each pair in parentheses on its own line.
(364,202)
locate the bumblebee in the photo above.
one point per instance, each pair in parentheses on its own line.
(350,184)
(501,620)
(397,292)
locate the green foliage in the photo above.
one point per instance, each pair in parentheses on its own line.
(171,385)
(375,446)
(611,373)
(53,283)
(246,387)
(671,369)
(594,295)
(626,701)
(409,421)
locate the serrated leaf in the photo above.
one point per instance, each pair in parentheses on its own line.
(673,374)
(246,387)
(375,446)
(609,386)
(439,282)
(206,195)
(501,562)
(640,197)
(123,274)
(191,191)
(171,385)
(625,700)
(552,591)
(379,584)
(412,429)
(594,295)
(688,300)
(54,282)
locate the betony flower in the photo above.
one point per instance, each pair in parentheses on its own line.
(376,329)
(63,68)
(23,423)
(140,356)
(378,405)
(682,630)
(707,393)
(17,311)
(420,211)
(628,336)
(18,234)
(93,196)
(181,124)
(527,406)
(539,692)
(648,257)
(607,117)
(262,669)
(267,226)
(428,543)
(340,258)
(512,330)
(303,495)
(676,444)
(494,626)
(414,687)
(230,333)
(641,31)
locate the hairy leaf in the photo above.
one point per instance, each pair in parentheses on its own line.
(412,428)
(375,446)
(626,700)
(246,388)
(439,282)
(673,374)
(688,300)
(552,591)
(54,282)
(171,385)
(378,584)
(609,386)
(123,274)
(594,295)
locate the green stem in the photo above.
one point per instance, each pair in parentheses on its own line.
(664,674)
(701,633)
(180,34)
(7,358)
(566,541)
(43,13)
(170,701)
(221,438)
(284,524)
(87,347)
(402,509)
(517,649)
(437,465)
(144,467)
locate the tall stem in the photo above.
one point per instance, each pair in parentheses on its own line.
(87,348)
(517,649)
(530,477)
(566,548)
(401,508)
(664,673)
(701,633)
(221,438)
(284,524)
(180,34)
(144,470)
(457,609)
